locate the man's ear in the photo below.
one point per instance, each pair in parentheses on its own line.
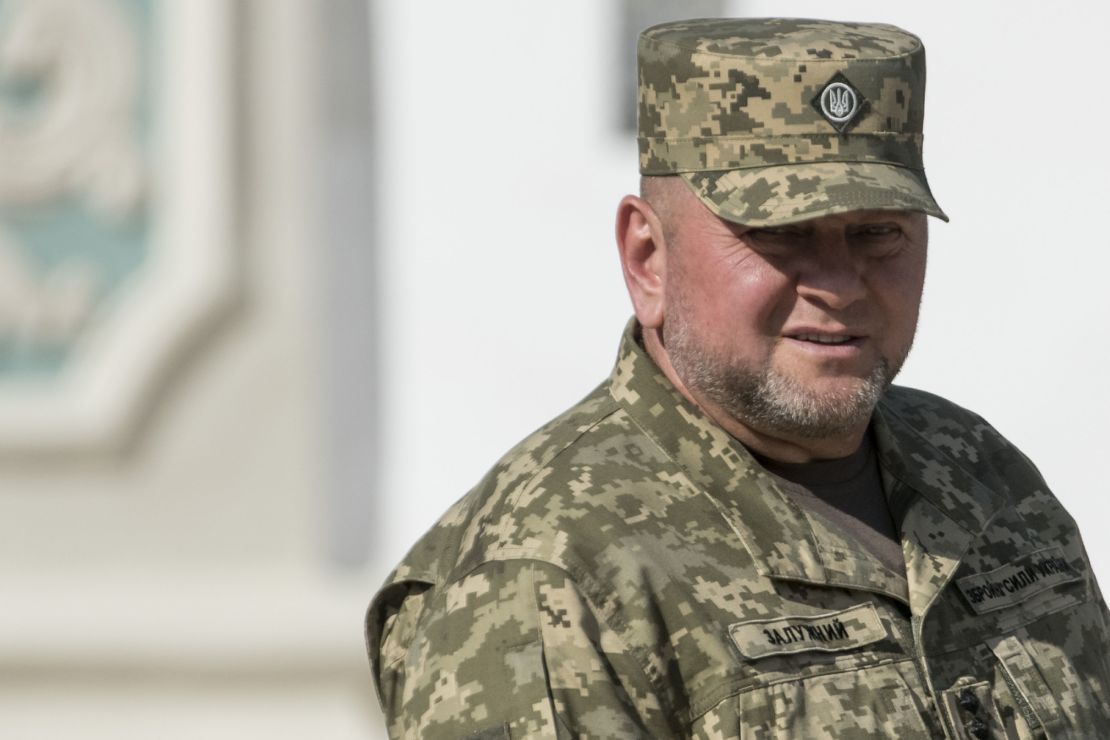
(643,253)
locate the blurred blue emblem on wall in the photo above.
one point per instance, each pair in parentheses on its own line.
(104,200)
(75,124)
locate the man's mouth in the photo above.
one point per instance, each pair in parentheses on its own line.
(823,338)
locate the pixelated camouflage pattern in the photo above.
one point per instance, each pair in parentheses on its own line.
(587,586)
(729,104)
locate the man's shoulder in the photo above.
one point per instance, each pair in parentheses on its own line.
(549,492)
(927,409)
(941,423)
(928,427)
(553,502)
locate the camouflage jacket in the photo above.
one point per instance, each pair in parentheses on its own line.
(630,571)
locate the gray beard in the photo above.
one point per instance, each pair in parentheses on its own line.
(770,401)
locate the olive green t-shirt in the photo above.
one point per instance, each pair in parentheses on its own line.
(849,492)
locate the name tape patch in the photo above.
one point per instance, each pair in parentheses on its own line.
(1017,581)
(843,630)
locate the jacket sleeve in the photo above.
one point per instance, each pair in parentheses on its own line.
(511,650)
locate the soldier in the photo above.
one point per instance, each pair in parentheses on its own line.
(747,531)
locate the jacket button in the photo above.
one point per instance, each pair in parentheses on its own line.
(978,728)
(968,701)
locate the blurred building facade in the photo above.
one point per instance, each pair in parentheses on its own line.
(280,279)
(169,564)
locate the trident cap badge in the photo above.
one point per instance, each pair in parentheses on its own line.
(839,102)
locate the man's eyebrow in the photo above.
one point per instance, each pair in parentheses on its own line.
(801,228)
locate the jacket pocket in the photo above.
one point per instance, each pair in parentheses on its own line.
(1052,683)
(876,701)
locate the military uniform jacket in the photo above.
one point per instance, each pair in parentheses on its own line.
(630,571)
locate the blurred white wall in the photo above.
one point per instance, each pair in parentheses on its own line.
(501,172)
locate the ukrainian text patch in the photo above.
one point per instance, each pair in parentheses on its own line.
(1017,581)
(834,631)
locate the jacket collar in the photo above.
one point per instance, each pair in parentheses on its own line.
(941,507)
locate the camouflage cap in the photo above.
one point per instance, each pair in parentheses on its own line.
(774,120)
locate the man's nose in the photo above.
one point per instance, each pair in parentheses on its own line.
(832,278)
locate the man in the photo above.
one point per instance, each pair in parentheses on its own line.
(746,531)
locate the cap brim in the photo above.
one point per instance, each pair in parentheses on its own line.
(782,194)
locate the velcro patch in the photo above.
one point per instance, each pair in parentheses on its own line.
(843,630)
(1013,583)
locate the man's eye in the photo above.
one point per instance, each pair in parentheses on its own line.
(877,231)
(878,240)
(775,231)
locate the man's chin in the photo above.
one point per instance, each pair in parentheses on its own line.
(811,407)
(842,389)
